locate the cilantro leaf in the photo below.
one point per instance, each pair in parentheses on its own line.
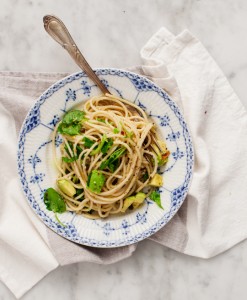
(100,120)
(75,156)
(89,178)
(73,116)
(98,149)
(104,164)
(59,220)
(87,142)
(113,166)
(129,134)
(69,160)
(54,201)
(78,193)
(145,177)
(107,145)
(116,130)
(155,196)
(72,129)
(112,158)
(104,145)
(66,148)
(72,122)
(96,181)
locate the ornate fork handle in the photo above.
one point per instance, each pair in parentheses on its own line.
(58,31)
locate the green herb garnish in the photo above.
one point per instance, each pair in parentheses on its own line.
(145,177)
(75,179)
(98,149)
(75,156)
(73,116)
(114,165)
(87,142)
(112,159)
(104,145)
(107,145)
(96,181)
(54,202)
(116,130)
(69,160)
(155,196)
(78,193)
(72,122)
(129,134)
(72,129)
(100,120)
(59,220)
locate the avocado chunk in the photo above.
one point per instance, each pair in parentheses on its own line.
(96,181)
(139,198)
(133,200)
(66,187)
(157,180)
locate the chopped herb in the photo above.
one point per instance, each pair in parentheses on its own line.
(129,134)
(155,196)
(54,202)
(78,193)
(104,145)
(73,116)
(69,160)
(89,178)
(78,149)
(98,149)
(72,129)
(100,120)
(67,171)
(114,165)
(66,148)
(116,130)
(74,157)
(87,142)
(96,181)
(107,145)
(145,177)
(75,179)
(111,161)
(72,122)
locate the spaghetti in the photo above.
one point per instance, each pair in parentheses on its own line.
(108,156)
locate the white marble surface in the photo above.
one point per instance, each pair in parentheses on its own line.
(111,33)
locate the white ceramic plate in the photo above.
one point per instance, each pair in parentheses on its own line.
(37,171)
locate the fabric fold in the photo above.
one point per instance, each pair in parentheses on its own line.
(218,123)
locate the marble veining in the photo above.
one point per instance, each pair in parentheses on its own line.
(120,29)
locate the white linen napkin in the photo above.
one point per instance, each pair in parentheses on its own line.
(216,204)
(213,217)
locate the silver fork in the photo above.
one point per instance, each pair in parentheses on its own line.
(58,31)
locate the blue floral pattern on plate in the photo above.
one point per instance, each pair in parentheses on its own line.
(36,174)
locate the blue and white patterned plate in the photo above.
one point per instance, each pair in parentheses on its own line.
(37,171)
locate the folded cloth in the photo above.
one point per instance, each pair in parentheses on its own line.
(215,218)
(212,218)
(28,249)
